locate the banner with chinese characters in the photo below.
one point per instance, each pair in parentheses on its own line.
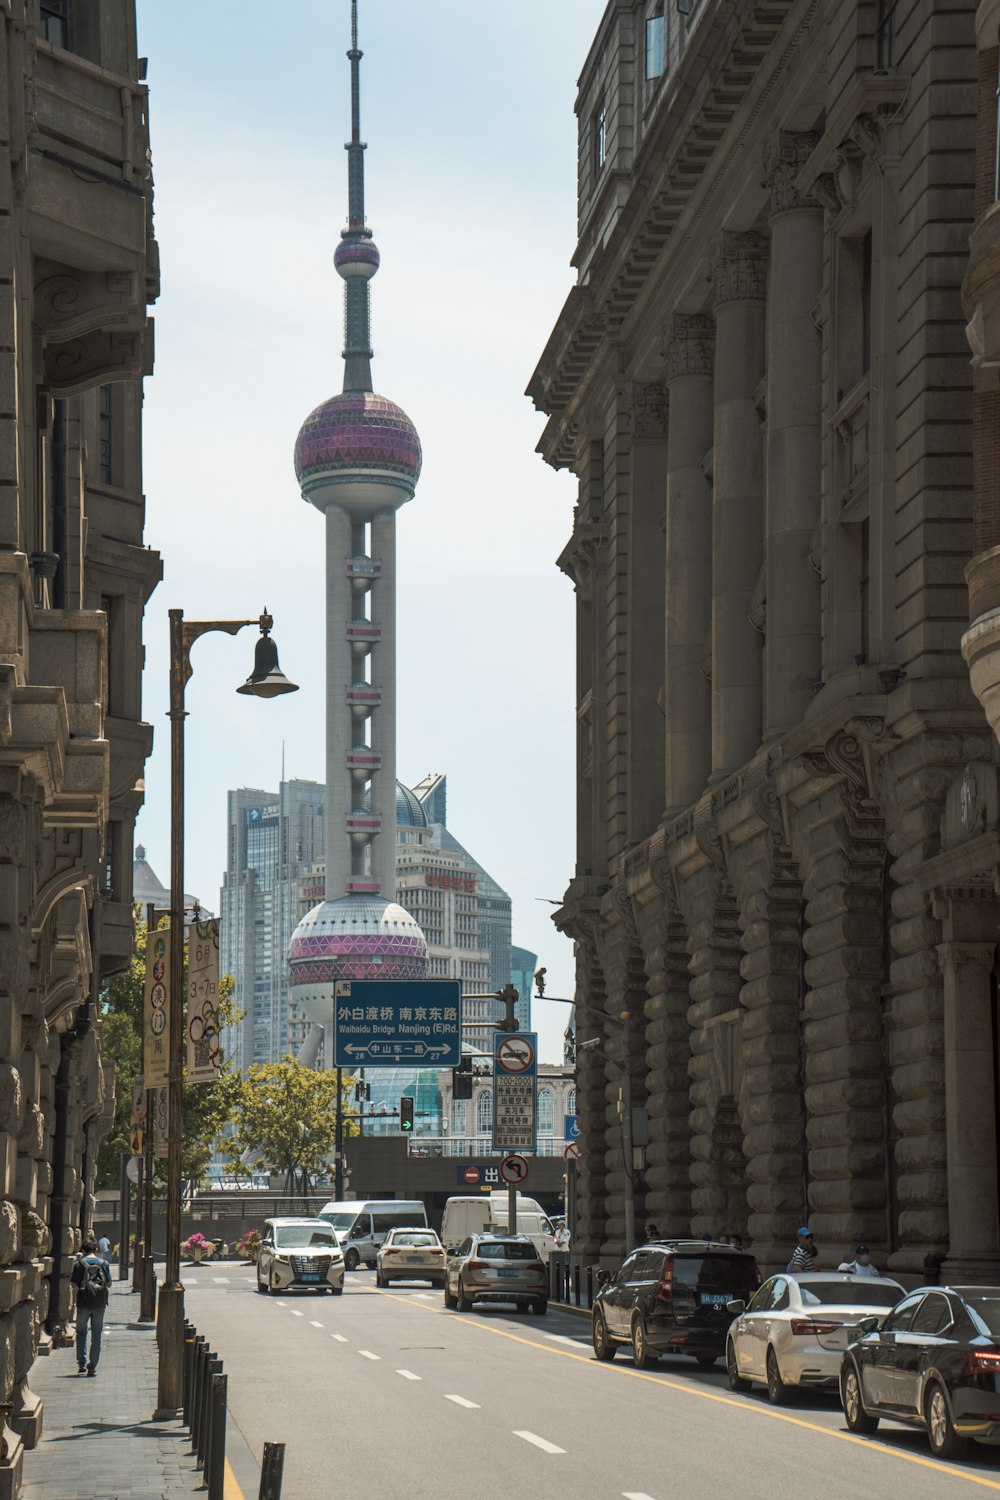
(160,1105)
(204,1050)
(137,1119)
(156,1010)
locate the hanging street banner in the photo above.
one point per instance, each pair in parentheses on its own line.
(397,1021)
(515,1075)
(160,1104)
(156,1010)
(204,1033)
(137,1119)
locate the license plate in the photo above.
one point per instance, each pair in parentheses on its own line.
(309,1276)
(413,1260)
(506,1273)
(715,1299)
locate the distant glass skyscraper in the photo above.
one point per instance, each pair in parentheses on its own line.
(522,974)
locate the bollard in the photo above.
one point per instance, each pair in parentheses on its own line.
(590,1286)
(215,1467)
(204,1406)
(576,1284)
(188,1370)
(198,1360)
(271,1471)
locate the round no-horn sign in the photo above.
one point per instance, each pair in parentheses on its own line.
(514,1169)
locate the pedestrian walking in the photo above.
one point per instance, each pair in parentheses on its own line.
(861,1265)
(92,1278)
(104,1246)
(804,1254)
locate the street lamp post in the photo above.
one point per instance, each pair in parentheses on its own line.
(624,1064)
(265,681)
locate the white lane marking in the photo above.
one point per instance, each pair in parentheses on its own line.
(297,1314)
(424,1295)
(314,1324)
(539,1442)
(340,1338)
(281,1304)
(220,1278)
(409,1375)
(461,1401)
(564,1338)
(251,1279)
(367,1354)
(635,1495)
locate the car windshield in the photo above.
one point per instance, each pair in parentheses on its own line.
(340,1221)
(413,1237)
(721,1273)
(506,1250)
(987,1310)
(302,1237)
(858,1292)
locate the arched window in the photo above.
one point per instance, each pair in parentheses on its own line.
(546,1112)
(484,1112)
(459,1123)
(571,1102)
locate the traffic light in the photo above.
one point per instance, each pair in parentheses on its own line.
(406,1115)
(461,1083)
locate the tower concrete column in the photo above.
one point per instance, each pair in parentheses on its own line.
(339,675)
(688,614)
(739,272)
(970,1099)
(794,374)
(383,676)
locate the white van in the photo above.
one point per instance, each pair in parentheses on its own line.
(361,1226)
(465,1216)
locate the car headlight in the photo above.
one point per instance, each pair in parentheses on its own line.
(282,1260)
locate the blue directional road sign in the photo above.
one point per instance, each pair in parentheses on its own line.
(416,1021)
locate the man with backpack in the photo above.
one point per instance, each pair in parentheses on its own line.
(92,1279)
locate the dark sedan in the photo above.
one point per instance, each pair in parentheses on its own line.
(933,1363)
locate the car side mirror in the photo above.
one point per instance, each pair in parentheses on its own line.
(868,1324)
(736,1308)
(603,1277)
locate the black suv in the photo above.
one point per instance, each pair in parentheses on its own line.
(670,1298)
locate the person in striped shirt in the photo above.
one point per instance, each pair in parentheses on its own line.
(804,1254)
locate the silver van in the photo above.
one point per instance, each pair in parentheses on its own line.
(362,1225)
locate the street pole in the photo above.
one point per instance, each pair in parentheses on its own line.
(266,681)
(338,1142)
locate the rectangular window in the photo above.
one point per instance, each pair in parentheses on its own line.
(105,435)
(654,47)
(866,303)
(600,129)
(885,37)
(55,22)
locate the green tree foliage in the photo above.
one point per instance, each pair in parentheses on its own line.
(207,1106)
(286,1115)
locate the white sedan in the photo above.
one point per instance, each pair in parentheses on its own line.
(796,1328)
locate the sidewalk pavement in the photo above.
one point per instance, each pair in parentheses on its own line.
(98,1440)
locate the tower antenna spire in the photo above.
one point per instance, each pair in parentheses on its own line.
(356,257)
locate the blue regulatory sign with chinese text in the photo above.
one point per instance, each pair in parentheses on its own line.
(416,1021)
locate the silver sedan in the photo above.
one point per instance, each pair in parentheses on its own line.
(795,1329)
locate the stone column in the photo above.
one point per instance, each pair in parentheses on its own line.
(794,409)
(970,1095)
(688,620)
(739,272)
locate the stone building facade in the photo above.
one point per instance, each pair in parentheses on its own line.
(788,852)
(78,268)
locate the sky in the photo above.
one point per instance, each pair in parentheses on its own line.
(467,110)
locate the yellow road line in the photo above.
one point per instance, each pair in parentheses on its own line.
(230,1488)
(689,1390)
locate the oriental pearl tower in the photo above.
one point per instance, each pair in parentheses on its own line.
(357,459)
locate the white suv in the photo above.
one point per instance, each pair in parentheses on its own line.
(299,1253)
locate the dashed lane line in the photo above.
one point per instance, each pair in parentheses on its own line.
(281,1304)
(296,1314)
(767,1413)
(314,1324)
(367,1354)
(539,1442)
(409,1375)
(461,1401)
(564,1338)
(340,1338)
(635,1495)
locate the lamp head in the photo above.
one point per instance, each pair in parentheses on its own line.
(267,680)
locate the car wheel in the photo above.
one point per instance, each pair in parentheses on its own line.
(338,1291)
(642,1356)
(441,1282)
(778,1393)
(856,1417)
(449,1300)
(523,1304)
(706,1360)
(262,1286)
(272,1285)
(352,1260)
(944,1440)
(540,1306)
(379,1279)
(371,1264)
(462,1302)
(736,1381)
(604,1349)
